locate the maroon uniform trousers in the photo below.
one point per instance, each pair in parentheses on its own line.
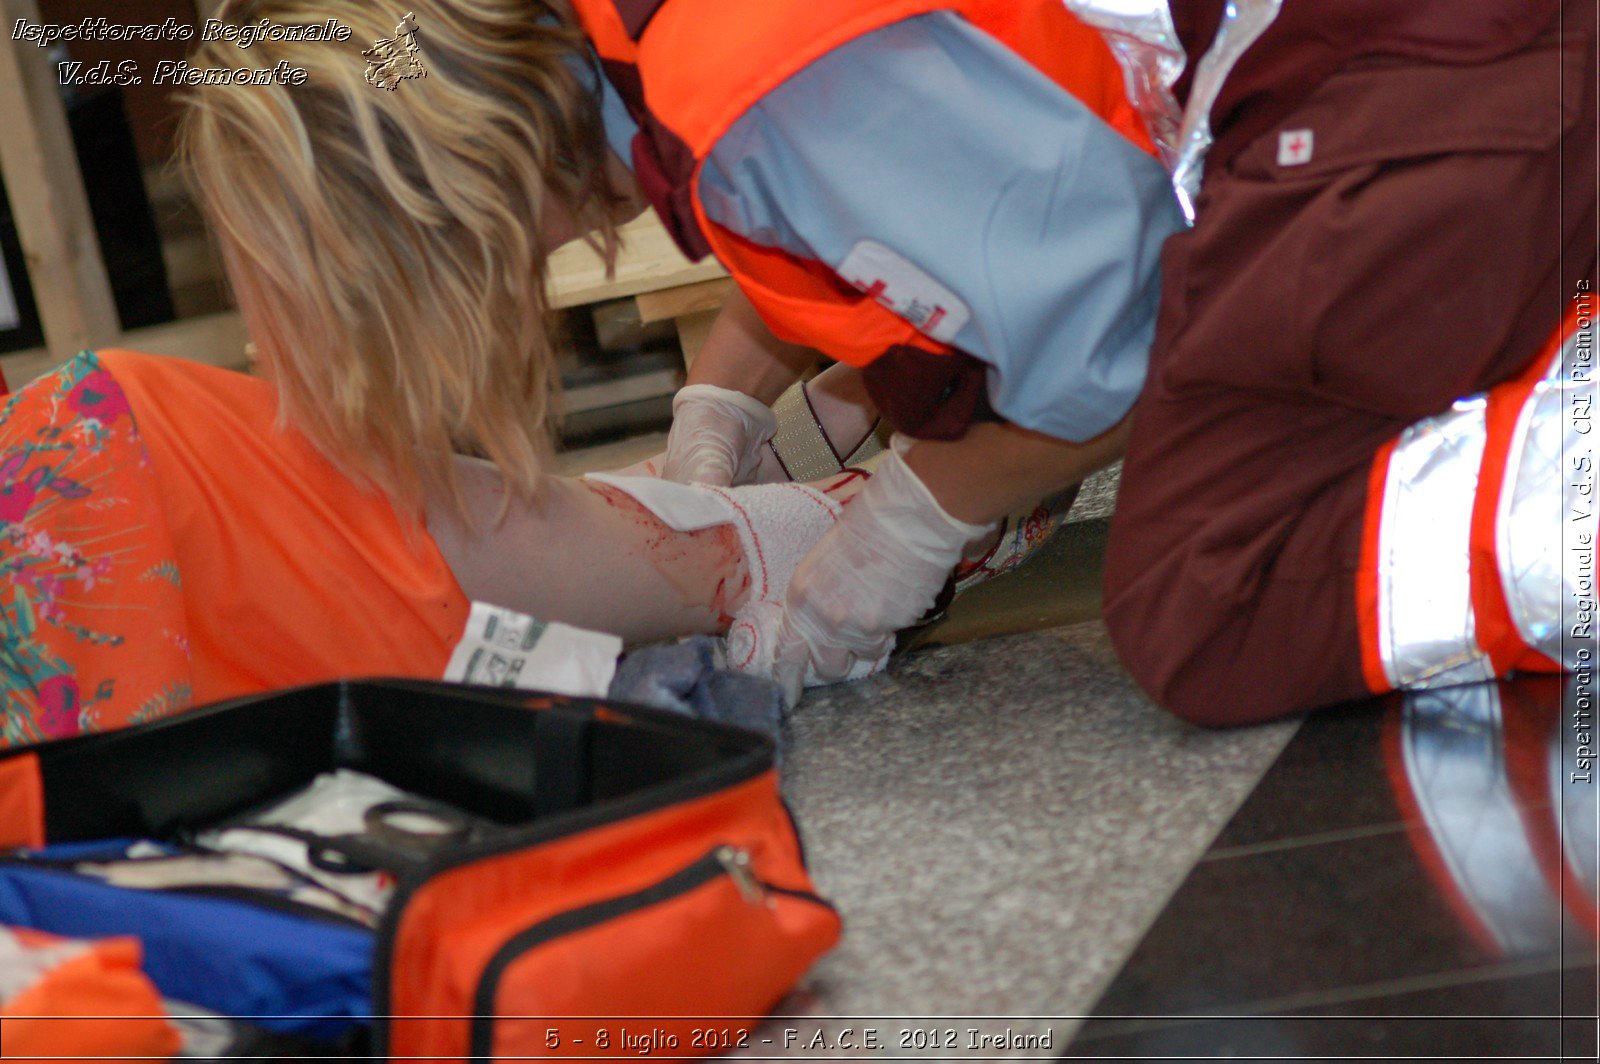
(1422,249)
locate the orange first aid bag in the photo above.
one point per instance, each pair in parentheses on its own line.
(628,870)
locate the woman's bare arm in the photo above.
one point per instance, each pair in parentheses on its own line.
(589,555)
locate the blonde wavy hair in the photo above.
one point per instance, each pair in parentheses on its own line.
(386,248)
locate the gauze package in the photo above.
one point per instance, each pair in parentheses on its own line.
(504,648)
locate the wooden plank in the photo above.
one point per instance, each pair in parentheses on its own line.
(216,340)
(684,300)
(48,203)
(649,260)
(653,385)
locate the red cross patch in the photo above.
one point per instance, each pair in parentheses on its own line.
(1295,147)
(900,285)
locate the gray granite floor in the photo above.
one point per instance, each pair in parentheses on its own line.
(999,822)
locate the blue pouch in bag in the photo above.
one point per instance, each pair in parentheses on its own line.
(290,966)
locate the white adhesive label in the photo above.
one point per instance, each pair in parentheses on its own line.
(902,286)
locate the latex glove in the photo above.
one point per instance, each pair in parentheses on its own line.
(716,436)
(875,572)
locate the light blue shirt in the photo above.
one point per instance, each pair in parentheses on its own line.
(935,140)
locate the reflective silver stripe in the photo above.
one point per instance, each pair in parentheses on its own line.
(1145,43)
(1426,632)
(1243,23)
(1546,514)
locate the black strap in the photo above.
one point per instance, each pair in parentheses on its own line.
(341,854)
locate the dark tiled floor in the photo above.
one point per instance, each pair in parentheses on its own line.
(1412,877)
(1327,780)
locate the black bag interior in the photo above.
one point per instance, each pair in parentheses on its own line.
(478,749)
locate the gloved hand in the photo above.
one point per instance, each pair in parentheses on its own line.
(875,572)
(716,436)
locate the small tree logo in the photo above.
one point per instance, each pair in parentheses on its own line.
(391,60)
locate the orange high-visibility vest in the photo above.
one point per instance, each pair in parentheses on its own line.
(689,69)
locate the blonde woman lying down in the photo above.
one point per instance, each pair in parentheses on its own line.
(172,534)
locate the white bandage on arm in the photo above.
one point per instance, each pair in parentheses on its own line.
(778,524)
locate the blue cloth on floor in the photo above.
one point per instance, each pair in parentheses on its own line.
(684,678)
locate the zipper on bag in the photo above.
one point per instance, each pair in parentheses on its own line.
(725,861)
(737,866)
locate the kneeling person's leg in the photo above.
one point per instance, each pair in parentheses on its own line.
(1310,317)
